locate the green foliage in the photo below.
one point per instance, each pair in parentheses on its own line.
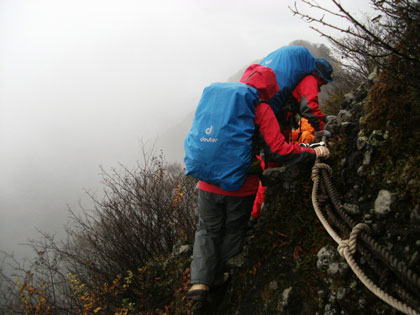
(394,108)
(158,287)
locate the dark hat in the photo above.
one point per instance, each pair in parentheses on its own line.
(323,69)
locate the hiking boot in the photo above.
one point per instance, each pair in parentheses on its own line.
(198,292)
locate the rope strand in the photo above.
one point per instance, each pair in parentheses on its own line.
(347,248)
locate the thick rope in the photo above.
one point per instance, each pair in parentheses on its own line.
(347,248)
(400,269)
(320,215)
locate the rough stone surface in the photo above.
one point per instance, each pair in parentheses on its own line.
(383,203)
(184,249)
(326,255)
(361,142)
(341,293)
(337,269)
(349,97)
(343,116)
(286,296)
(378,138)
(367,157)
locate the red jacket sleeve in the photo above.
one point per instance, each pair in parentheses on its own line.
(275,147)
(306,93)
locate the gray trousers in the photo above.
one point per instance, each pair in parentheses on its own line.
(220,233)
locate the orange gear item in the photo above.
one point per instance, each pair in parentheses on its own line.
(306,132)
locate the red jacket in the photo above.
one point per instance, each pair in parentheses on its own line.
(269,137)
(306,93)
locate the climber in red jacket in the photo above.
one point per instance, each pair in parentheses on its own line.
(305,102)
(306,93)
(223,215)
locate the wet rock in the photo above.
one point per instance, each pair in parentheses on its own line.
(378,138)
(338,269)
(326,255)
(181,247)
(184,249)
(330,118)
(287,177)
(383,203)
(286,296)
(343,116)
(361,142)
(367,158)
(348,100)
(341,293)
(332,125)
(330,261)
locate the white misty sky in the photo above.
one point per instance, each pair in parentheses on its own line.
(82,82)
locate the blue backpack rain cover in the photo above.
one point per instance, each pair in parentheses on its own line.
(218,146)
(290,64)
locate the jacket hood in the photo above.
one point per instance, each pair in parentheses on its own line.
(323,69)
(263,79)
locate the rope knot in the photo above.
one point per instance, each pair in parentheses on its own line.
(342,246)
(350,243)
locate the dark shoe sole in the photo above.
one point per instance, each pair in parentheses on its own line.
(197,295)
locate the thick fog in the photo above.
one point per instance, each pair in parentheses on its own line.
(84,82)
